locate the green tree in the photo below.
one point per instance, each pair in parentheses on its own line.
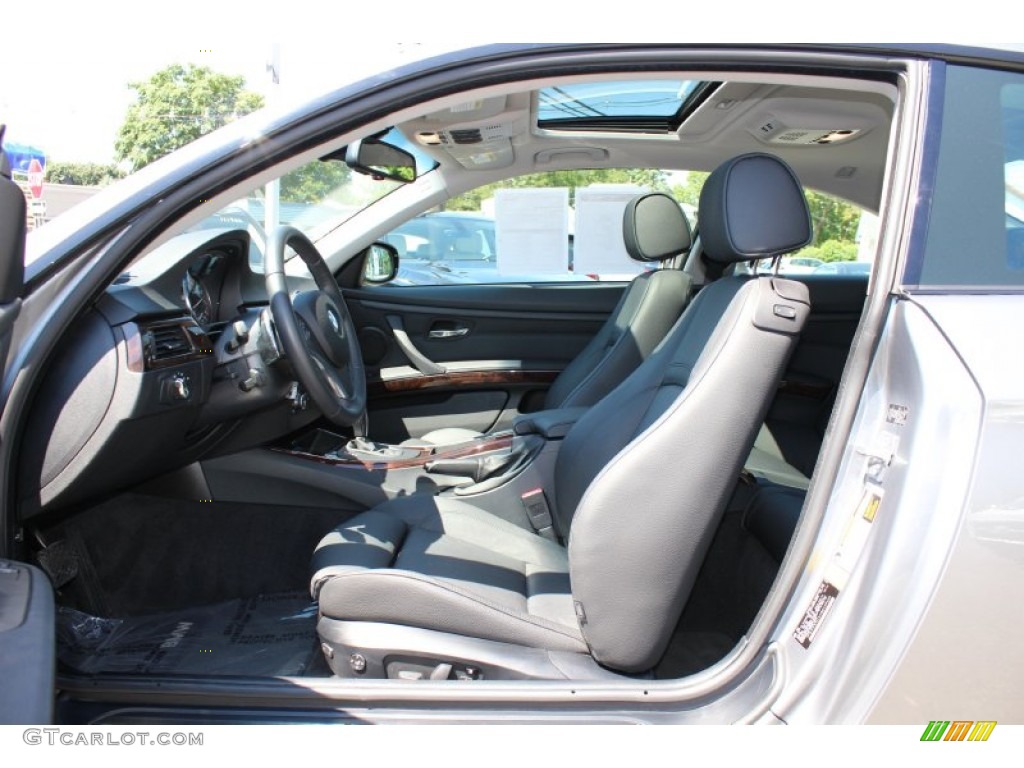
(689,191)
(833,219)
(177,105)
(314,181)
(835,222)
(85,174)
(472,200)
(831,250)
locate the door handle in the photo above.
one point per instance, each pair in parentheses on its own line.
(420,362)
(447,333)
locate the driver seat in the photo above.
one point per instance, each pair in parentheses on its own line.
(435,587)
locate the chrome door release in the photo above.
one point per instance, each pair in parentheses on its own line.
(447,333)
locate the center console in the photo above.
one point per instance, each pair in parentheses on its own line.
(497,472)
(466,468)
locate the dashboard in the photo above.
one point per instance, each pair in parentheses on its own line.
(177,361)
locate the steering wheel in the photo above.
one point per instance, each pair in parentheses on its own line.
(316,331)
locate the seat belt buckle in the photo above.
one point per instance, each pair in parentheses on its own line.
(537,510)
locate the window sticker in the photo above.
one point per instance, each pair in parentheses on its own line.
(598,247)
(532,230)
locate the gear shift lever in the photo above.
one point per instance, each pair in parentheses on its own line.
(363,448)
(359,442)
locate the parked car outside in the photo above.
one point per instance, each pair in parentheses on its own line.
(797,265)
(843,268)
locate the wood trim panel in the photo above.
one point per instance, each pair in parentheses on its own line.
(201,346)
(461,379)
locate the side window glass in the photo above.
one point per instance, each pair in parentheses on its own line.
(564,226)
(845,237)
(976,221)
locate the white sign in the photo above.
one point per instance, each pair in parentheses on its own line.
(532,231)
(599,248)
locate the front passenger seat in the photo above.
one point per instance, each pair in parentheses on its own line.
(434,587)
(654,229)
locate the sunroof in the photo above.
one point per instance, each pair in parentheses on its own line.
(623,105)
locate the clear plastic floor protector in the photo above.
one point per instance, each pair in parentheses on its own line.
(269,635)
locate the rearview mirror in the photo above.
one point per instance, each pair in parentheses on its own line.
(380,264)
(381,160)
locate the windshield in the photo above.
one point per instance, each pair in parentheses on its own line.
(315,198)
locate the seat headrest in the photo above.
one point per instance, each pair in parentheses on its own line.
(655,228)
(753,207)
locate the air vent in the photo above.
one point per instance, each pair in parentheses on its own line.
(165,342)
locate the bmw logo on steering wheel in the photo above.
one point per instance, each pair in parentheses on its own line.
(334,320)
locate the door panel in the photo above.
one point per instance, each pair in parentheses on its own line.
(479,355)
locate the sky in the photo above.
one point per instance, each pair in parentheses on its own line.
(65,66)
(69,99)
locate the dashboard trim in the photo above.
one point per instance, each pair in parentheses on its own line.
(462,379)
(200,345)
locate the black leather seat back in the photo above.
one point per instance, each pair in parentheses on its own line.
(654,229)
(643,477)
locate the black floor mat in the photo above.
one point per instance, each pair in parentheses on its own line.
(269,635)
(138,554)
(730,588)
(690,652)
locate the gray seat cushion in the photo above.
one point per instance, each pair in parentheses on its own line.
(445,565)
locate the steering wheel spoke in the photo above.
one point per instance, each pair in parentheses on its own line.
(317,332)
(333,376)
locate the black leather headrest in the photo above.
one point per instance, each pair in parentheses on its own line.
(753,207)
(655,228)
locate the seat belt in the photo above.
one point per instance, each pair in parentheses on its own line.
(539,512)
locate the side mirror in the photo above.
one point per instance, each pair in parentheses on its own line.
(380,264)
(381,160)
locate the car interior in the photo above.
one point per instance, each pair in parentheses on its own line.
(254,456)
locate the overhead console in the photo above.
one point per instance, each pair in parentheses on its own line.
(476,134)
